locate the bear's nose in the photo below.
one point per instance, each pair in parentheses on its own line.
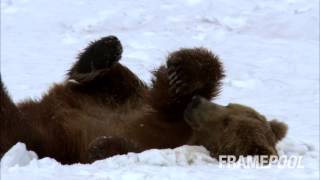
(196,100)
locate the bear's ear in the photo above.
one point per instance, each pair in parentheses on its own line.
(279,129)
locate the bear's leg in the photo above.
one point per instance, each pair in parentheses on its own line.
(99,55)
(103,147)
(189,72)
(99,72)
(13,128)
(9,116)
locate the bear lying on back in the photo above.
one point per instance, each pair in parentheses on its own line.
(103,109)
(104,106)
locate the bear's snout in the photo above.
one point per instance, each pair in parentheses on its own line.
(192,111)
(196,100)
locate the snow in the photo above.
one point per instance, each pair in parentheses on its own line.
(270,50)
(192,162)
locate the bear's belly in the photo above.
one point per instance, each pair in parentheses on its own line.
(95,121)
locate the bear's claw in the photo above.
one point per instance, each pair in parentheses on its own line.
(178,86)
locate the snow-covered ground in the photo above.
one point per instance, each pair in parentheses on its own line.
(270,50)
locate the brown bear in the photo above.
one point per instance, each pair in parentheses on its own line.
(103,109)
(233,129)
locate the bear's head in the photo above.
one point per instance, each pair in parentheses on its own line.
(233,129)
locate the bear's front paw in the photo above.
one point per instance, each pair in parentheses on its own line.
(102,53)
(103,147)
(193,72)
(179,79)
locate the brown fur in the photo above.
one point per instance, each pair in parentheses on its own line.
(188,73)
(233,129)
(102,98)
